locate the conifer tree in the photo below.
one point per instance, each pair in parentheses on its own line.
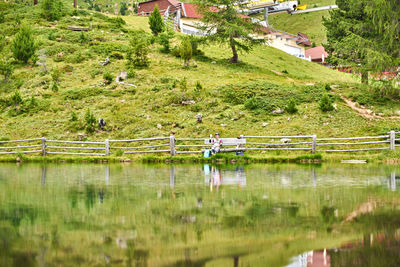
(186,51)
(224,24)
(23,45)
(156,22)
(364,34)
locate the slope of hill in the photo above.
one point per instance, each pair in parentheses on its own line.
(309,23)
(233,99)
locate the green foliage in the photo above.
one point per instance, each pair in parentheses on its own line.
(325,104)
(123,9)
(83,38)
(3,42)
(291,106)
(328,87)
(2,18)
(16,98)
(364,34)
(139,49)
(74,117)
(164,40)
(226,26)
(186,51)
(23,45)
(108,78)
(6,68)
(156,22)
(90,121)
(52,9)
(117,22)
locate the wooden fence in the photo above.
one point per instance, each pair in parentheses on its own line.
(175,146)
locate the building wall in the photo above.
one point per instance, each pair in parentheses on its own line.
(288,46)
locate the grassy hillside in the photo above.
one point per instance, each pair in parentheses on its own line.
(309,23)
(233,99)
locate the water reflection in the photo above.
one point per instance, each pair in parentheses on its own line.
(165,215)
(375,249)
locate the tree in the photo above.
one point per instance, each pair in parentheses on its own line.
(123,9)
(225,25)
(156,22)
(139,49)
(186,51)
(364,34)
(52,9)
(23,45)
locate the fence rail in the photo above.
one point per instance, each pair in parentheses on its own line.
(174,146)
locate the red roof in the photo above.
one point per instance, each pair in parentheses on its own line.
(191,11)
(303,39)
(148,6)
(316,53)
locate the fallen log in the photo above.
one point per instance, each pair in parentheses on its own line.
(78,28)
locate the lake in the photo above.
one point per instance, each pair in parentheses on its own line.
(199,215)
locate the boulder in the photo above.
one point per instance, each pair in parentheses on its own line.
(278,111)
(122,76)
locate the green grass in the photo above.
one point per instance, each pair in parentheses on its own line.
(309,23)
(136,112)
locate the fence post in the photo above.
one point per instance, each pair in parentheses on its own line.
(392,140)
(43,146)
(107,152)
(314,144)
(172,145)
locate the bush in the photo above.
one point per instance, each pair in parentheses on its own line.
(52,9)
(164,40)
(186,51)
(108,78)
(327,87)
(23,45)
(2,19)
(291,106)
(325,104)
(117,55)
(138,54)
(156,22)
(123,9)
(6,68)
(176,52)
(83,38)
(90,121)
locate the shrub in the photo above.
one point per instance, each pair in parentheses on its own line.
(117,55)
(138,54)
(325,104)
(16,98)
(23,45)
(108,78)
(6,68)
(90,121)
(83,38)
(123,9)
(327,87)
(2,19)
(186,51)
(164,40)
(156,22)
(291,106)
(176,52)
(74,117)
(52,9)
(51,36)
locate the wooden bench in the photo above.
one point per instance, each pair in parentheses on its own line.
(228,142)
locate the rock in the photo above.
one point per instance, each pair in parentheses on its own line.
(369,112)
(121,76)
(288,118)
(277,111)
(82,136)
(148,117)
(213,62)
(159,126)
(265,124)
(398,112)
(330,116)
(75,17)
(335,106)
(223,125)
(325,123)
(285,140)
(199,118)
(234,119)
(188,102)
(61,54)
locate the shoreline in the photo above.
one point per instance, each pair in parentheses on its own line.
(383,158)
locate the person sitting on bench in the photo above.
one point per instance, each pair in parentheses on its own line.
(217,144)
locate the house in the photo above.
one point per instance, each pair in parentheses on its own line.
(145,8)
(184,17)
(317,54)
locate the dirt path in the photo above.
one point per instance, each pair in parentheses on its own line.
(366,113)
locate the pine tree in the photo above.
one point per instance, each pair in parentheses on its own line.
(225,25)
(6,68)
(52,9)
(186,51)
(364,34)
(123,9)
(23,45)
(156,22)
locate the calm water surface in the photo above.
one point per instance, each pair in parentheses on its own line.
(199,215)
